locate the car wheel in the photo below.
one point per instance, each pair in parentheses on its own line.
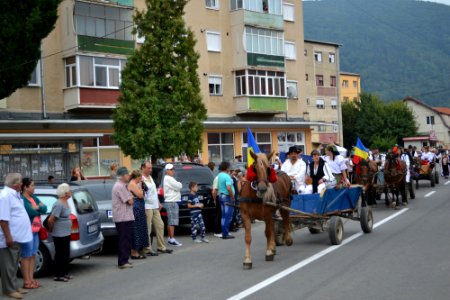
(43,261)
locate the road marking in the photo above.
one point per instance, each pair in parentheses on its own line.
(429,194)
(448,182)
(307,261)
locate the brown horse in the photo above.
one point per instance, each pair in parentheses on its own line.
(364,174)
(254,201)
(395,180)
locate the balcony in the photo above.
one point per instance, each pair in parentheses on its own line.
(90,98)
(260,105)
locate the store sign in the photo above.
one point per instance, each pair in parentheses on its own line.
(263,60)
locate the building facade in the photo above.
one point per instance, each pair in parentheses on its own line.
(350,86)
(322,91)
(251,69)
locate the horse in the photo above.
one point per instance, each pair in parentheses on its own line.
(395,180)
(259,200)
(364,174)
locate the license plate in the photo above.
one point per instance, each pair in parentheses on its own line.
(109,212)
(92,228)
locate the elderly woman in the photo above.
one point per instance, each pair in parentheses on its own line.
(337,165)
(60,225)
(319,172)
(140,230)
(34,208)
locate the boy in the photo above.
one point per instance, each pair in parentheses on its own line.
(196,214)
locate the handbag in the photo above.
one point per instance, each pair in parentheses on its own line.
(36,225)
(45,223)
(43,233)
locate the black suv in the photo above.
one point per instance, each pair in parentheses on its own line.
(185,173)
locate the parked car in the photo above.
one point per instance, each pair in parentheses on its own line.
(85,238)
(186,172)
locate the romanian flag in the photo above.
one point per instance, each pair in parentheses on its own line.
(360,152)
(251,145)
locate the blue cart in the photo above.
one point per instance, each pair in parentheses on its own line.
(325,213)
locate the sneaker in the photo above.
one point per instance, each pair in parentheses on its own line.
(197,241)
(168,251)
(228,237)
(175,243)
(205,240)
(219,235)
(125,266)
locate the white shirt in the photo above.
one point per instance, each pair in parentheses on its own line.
(172,189)
(337,166)
(13,211)
(298,170)
(326,170)
(429,156)
(151,195)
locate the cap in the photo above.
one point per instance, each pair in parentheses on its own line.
(122,171)
(169,167)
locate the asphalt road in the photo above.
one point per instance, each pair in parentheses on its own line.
(405,257)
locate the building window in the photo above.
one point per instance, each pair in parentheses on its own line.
(320,103)
(288,139)
(215,85)
(306,77)
(35,78)
(213,4)
(332,80)
(263,6)
(94,71)
(430,120)
(288,12)
(291,89)
(321,128)
(263,139)
(305,52)
(333,104)
(213,41)
(355,84)
(335,126)
(264,41)
(319,80)
(220,146)
(260,83)
(331,58)
(290,50)
(318,56)
(103,21)
(345,83)
(98,156)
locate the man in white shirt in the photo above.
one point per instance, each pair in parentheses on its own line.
(295,167)
(172,195)
(15,230)
(152,210)
(427,155)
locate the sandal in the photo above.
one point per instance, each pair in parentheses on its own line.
(30,286)
(68,277)
(36,283)
(62,279)
(138,257)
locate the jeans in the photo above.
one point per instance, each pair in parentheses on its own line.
(227,214)
(197,219)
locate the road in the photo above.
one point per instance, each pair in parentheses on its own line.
(405,257)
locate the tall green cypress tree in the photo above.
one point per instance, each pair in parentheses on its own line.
(160,110)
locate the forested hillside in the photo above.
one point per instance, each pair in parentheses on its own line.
(400,47)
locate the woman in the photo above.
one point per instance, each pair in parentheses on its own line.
(60,225)
(337,165)
(445,163)
(319,172)
(34,208)
(77,175)
(140,230)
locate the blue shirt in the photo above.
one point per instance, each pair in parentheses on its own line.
(193,199)
(224,179)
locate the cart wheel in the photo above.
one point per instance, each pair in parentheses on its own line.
(279,233)
(314,230)
(432,180)
(436,177)
(366,219)
(336,230)
(412,193)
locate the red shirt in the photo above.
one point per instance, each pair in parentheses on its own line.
(251,175)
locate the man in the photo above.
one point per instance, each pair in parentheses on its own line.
(226,196)
(15,230)
(172,195)
(152,210)
(295,167)
(123,217)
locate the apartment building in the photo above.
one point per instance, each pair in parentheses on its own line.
(322,91)
(251,69)
(350,86)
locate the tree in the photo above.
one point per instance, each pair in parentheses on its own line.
(160,110)
(23,25)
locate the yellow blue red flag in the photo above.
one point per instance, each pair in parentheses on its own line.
(251,145)
(360,150)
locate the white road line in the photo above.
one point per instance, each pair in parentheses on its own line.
(429,194)
(448,182)
(307,261)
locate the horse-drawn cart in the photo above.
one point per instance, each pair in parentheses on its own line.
(325,213)
(424,170)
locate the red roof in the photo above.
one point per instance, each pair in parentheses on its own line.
(443,110)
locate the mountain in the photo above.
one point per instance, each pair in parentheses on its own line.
(400,47)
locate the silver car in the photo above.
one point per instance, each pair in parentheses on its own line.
(86,237)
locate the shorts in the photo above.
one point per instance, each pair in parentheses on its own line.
(172,213)
(29,249)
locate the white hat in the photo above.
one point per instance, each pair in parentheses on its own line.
(168,167)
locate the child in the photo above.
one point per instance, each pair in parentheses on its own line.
(196,214)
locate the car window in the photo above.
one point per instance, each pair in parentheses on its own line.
(48,200)
(84,203)
(101,192)
(199,175)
